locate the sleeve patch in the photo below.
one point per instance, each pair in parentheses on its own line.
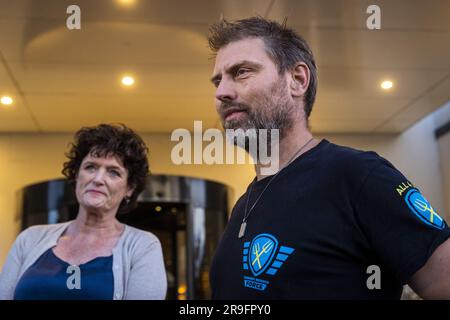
(423,210)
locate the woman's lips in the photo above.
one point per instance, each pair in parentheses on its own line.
(96,192)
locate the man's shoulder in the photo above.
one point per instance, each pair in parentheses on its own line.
(345,156)
(348,162)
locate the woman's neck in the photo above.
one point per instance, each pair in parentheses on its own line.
(94,223)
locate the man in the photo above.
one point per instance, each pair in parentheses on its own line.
(333,222)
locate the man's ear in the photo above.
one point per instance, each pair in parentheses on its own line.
(299,79)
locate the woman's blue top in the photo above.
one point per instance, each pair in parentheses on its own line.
(51,278)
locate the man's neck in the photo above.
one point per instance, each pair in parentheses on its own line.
(297,138)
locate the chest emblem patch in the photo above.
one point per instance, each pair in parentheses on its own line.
(263,256)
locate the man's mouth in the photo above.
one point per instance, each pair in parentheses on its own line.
(232,114)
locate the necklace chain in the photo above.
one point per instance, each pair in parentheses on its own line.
(247,211)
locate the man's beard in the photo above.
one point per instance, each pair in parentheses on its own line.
(269,110)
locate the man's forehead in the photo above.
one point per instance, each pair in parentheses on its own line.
(249,49)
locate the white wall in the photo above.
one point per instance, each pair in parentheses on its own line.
(444,151)
(441,118)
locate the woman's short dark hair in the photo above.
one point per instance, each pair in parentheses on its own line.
(283,45)
(111,140)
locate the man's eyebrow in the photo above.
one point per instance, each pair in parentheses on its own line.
(232,69)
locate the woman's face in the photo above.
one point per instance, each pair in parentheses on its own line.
(101,183)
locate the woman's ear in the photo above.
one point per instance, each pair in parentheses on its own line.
(300,76)
(129,192)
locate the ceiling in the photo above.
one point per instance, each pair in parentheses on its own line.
(64,79)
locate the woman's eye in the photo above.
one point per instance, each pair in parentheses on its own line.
(114,173)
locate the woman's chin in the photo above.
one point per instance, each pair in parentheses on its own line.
(94,206)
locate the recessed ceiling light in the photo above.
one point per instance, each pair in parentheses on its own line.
(127,81)
(6,100)
(387,84)
(126,2)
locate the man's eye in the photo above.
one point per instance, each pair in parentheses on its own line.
(242,72)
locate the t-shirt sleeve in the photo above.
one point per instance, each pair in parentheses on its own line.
(401,225)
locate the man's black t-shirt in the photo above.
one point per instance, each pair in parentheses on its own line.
(337,223)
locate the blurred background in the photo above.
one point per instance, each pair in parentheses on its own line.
(146,63)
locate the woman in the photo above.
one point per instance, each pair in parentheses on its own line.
(94,256)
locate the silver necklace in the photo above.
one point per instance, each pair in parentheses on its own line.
(247,212)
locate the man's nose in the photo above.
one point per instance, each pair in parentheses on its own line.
(226,91)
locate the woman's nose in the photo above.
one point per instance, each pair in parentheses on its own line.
(99,176)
